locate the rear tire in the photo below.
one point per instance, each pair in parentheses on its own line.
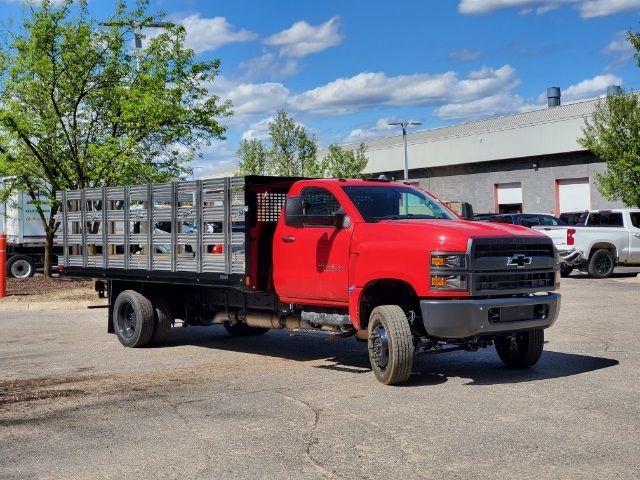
(133,319)
(21,266)
(163,320)
(524,352)
(243,330)
(390,345)
(601,264)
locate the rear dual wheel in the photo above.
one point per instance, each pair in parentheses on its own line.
(139,322)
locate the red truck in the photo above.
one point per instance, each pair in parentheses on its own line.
(384,261)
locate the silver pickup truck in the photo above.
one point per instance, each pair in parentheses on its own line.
(608,238)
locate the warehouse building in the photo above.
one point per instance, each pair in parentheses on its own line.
(527,162)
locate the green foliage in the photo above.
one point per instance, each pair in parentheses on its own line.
(340,163)
(253,157)
(79,108)
(291,152)
(613,134)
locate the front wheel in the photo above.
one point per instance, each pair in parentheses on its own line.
(390,345)
(522,350)
(601,264)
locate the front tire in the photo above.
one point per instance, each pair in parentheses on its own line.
(601,264)
(390,345)
(523,351)
(133,319)
(21,266)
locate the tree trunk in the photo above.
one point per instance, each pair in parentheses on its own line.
(48,251)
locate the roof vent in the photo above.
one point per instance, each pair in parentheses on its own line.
(553,97)
(613,90)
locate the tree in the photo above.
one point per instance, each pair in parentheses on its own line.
(341,163)
(613,134)
(292,151)
(253,157)
(79,109)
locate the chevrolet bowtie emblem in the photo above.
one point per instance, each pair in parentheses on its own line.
(519,260)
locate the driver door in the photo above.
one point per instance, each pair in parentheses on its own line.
(312,261)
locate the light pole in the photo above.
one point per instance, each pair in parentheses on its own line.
(404,142)
(137,31)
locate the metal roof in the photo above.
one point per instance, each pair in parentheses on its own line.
(539,132)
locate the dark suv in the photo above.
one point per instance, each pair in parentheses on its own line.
(526,219)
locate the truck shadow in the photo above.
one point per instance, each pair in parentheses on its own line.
(348,356)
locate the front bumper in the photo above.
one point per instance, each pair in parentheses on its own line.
(468,318)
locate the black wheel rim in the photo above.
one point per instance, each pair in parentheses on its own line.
(603,264)
(127,321)
(380,347)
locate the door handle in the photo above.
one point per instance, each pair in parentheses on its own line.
(288,239)
(636,235)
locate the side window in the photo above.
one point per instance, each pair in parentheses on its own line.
(635,219)
(605,219)
(594,219)
(545,220)
(318,201)
(615,219)
(529,220)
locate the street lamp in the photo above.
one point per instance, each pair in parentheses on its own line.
(404,142)
(137,31)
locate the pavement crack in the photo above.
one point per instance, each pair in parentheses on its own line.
(310,438)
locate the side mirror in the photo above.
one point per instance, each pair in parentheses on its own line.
(341,220)
(466,211)
(294,212)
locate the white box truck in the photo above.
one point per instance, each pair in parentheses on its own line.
(19,219)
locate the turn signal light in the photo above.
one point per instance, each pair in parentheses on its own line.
(438,262)
(438,281)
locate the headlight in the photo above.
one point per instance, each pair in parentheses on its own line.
(448,282)
(445,260)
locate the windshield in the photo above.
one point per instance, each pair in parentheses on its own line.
(390,202)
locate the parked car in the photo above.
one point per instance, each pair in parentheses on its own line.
(574,218)
(525,219)
(608,238)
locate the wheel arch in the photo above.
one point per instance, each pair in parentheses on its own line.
(386,291)
(605,246)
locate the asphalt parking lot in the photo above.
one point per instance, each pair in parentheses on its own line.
(75,404)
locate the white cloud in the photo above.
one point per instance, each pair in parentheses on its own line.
(302,39)
(590,88)
(464,55)
(601,8)
(258,130)
(587,8)
(205,34)
(379,129)
(619,50)
(267,65)
(503,103)
(346,95)
(251,98)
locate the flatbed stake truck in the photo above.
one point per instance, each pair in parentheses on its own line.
(384,261)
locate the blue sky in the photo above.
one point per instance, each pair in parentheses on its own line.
(345,68)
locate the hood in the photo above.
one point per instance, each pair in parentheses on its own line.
(452,235)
